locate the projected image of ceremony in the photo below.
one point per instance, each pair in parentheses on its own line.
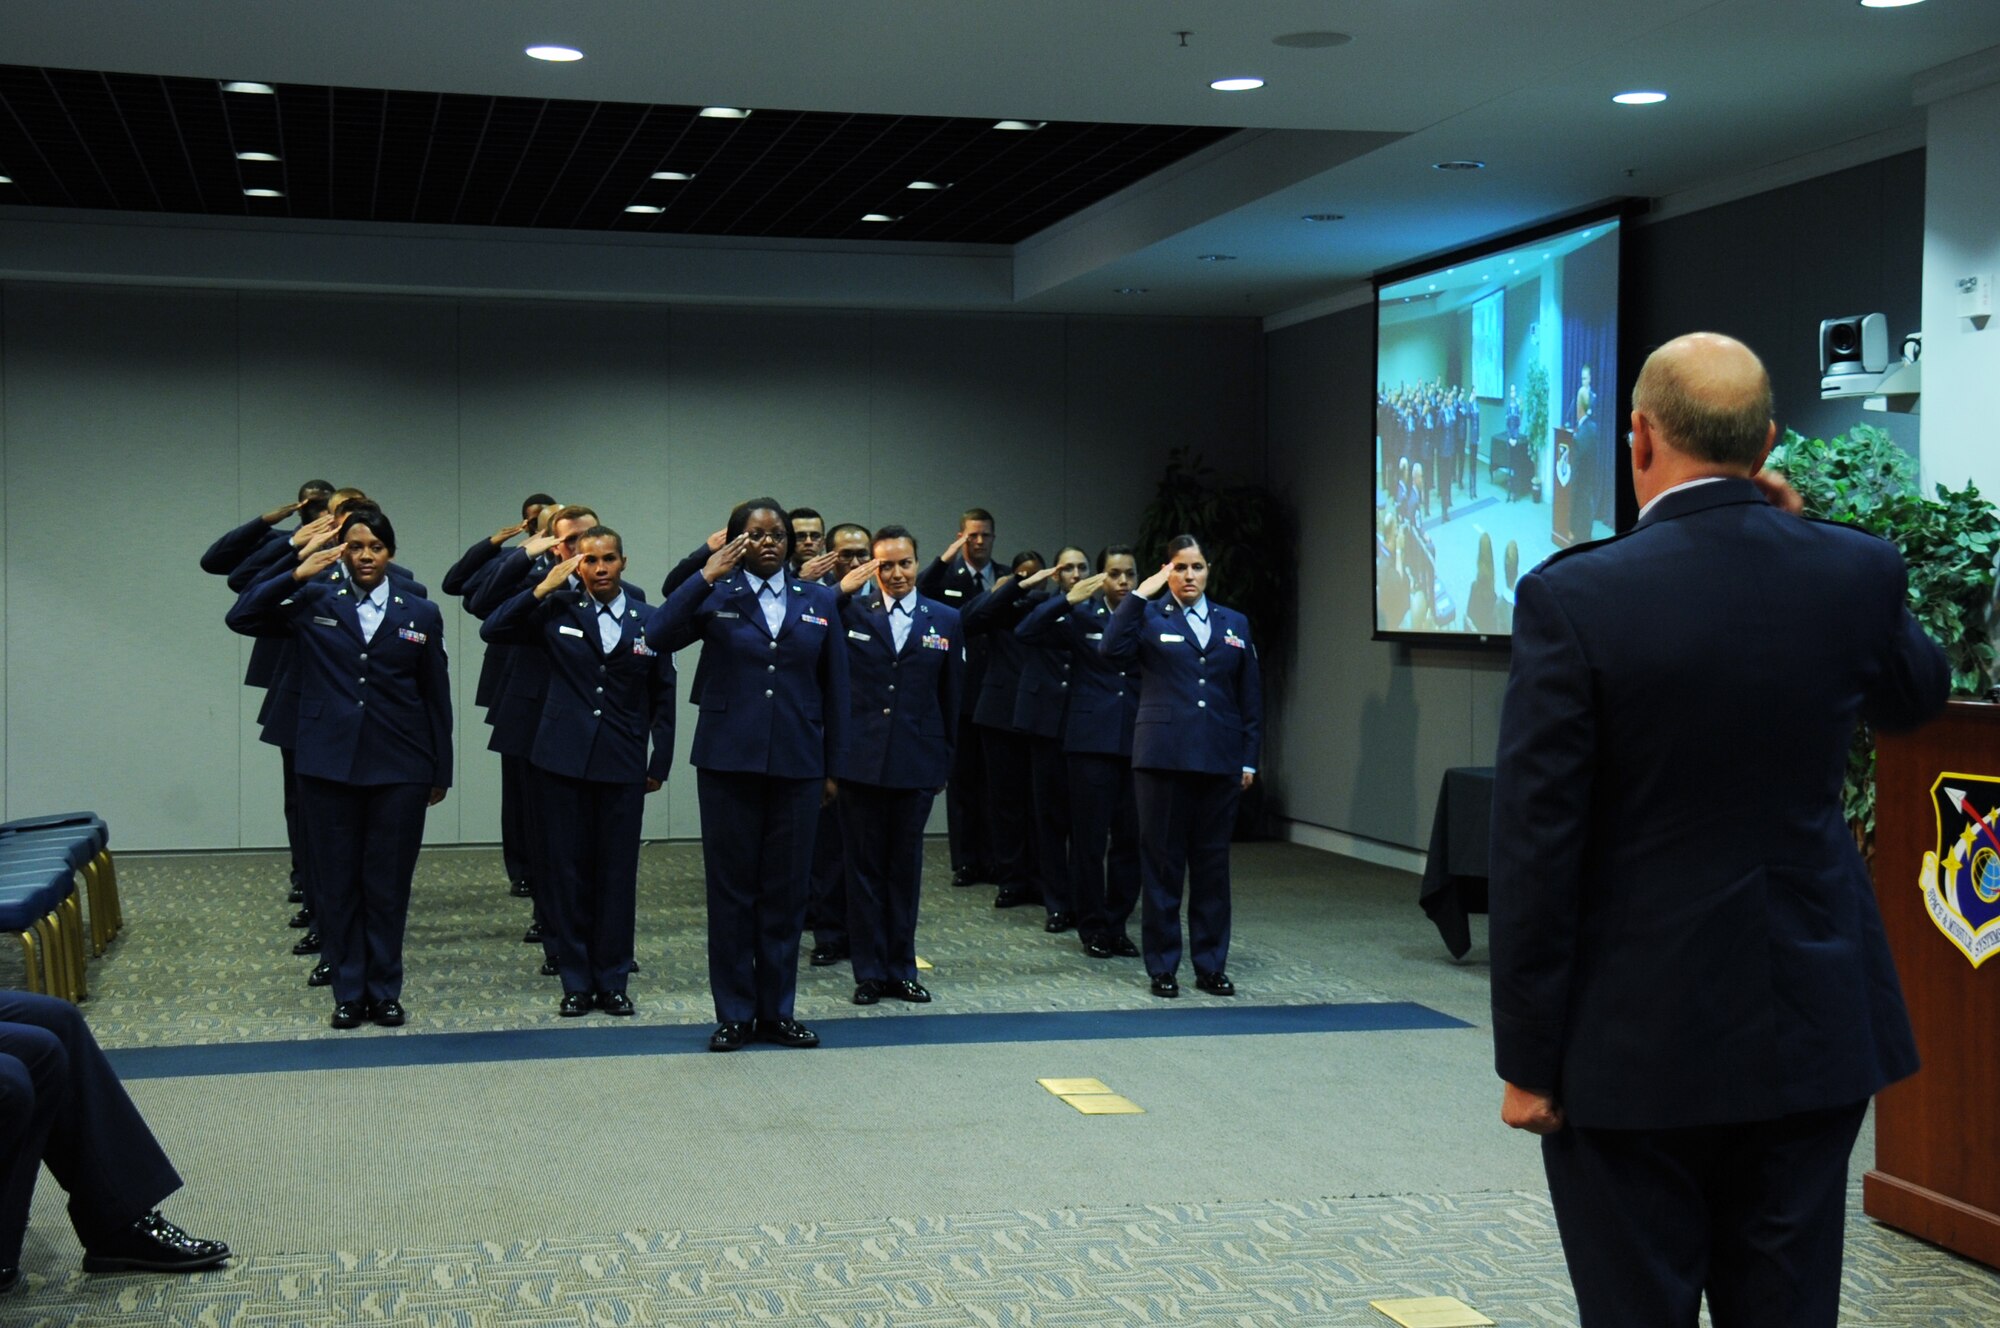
(1496,427)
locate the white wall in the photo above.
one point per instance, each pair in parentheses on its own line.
(1961,397)
(141,422)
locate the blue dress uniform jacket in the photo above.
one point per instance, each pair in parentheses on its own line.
(1203,709)
(1103,696)
(955,585)
(989,621)
(229,552)
(768,705)
(600,710)
(458,581)
(370,712)
(1683,933)
(903,725)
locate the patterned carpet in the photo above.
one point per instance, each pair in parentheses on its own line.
(206,956)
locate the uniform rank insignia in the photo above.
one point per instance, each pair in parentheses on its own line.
(1960,880)
(932,641)
(812,618)
(412,634)
(1093,636)
(1230,638)
(641,648)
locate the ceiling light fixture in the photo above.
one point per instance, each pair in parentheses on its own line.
(1640,98)
(1236,84)
(1020,126)
(1215,258)
(1888,4)
(262,89)
(558,55)
(255,156)
(672,175)
(263,193)
(879,216)
(1324,216)
(1462,165)
(927,184)
(645,208)
(725,113)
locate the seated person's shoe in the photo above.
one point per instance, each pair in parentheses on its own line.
(825,956)
(1215,984)
(729,1036)
(574,1003)
(153,1245)
(912,992)
(347,1014)
(867,992)
(786,1033)
(1164,985)
(615,1002)
(308,944)
(321,976)
(388,1014)
(1121,945)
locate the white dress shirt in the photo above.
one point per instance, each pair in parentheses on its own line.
(770,598)
(1197,616)
(1684,484)
(371,607)
(901,617)
(609,618)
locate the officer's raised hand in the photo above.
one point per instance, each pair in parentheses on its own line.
(557,575)
(852,583)
(1085,588)
(1155,583)
(317,562)
(723,561)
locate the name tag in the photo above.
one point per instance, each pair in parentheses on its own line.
(412,634)
(570,631)
(1093,636)
(812,618)
(727,613)
(934,642)
(954,594)
(326,622)
(1171,638)
(853,635)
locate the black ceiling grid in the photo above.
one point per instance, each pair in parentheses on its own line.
(152,143)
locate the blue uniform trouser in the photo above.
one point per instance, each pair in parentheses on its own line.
(1048,783)
(756,847)
(365,843)
(1007,806)
(590,838)
(826,906)
(1103,812)
(61,1103)
(882,830)
(1185,820)
(965,803)
(1752,1213)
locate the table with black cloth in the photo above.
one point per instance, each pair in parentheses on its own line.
(1455,874)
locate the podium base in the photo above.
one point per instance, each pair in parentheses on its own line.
(1928,1215)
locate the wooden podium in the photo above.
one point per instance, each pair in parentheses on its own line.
(1937,1149)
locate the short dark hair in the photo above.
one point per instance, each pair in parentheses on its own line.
(846,526)
(739,517)
(322,487)
(534,500)
(365,514)
(1023,556)
(892,533)
(1076,549)
(975,514)
(1179,542)
(806,512)
(602,532)
(1110,551)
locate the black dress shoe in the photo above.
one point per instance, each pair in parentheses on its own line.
(321,976)
(825,956)
(1164,985)
(1121,945)
(296,895)
(548,968)
(533,935)
(1014,896)
(1096,947)
(388,1014)
(347,1014)
(786,1033)
(153,1245)
(1215,984)
(521,890)
(729,1037)
(964,876)
(9,1279)
(308,944)
(574,1004)
(615,1002)
(867,992)
(1058,923)
(913,992)
(302,918)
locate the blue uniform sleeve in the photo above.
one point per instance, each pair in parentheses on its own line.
(951,683)
(930,581)
(676,624)
(459,578)
(1250,701)
(517,622)
(1044,624)
(664,686)
(499,582)
(434,678)
(1121,635)
(1913,680)
(227,553)
(987,613)
(833,691)
(269,607)
(684,569)
(1542,784)
(261,561)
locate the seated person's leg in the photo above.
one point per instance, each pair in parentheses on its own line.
(33,1071)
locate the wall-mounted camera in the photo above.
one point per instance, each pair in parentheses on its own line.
(1853,355)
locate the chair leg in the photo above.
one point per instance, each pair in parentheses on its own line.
(71,914)
(93,890)
(115,912)
(55,972)
(31,960)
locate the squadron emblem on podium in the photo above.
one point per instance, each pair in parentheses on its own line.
(1961,878)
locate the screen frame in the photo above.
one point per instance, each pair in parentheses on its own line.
(1624,506)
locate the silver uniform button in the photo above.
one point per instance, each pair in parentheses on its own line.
(595,713)
(767,691)
(600,691)
(1201,703)
(892,686)
(364,654)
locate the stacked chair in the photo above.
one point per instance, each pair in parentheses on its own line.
(50,866)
